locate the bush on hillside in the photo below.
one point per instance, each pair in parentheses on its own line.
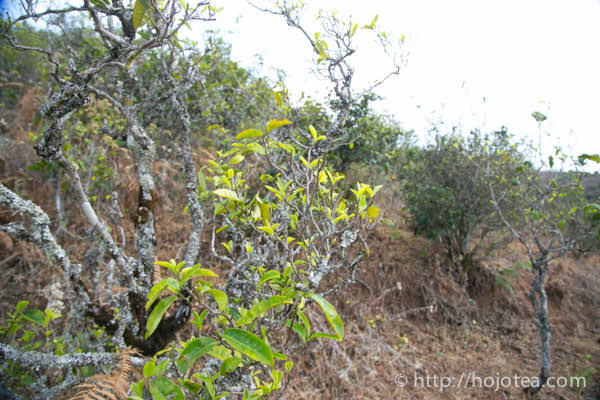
(446,189)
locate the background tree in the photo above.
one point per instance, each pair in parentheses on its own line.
(448,197)
(106,72)
(550,218)
(378,139)
(333,47)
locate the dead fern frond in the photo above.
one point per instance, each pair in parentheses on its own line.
(108,387)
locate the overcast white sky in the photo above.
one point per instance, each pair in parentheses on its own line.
(521,56)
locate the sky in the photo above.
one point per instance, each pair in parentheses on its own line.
(479,64)
(474,63)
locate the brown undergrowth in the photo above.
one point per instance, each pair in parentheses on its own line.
(111,386)
(409,319)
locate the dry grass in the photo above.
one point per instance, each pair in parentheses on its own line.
(494,337)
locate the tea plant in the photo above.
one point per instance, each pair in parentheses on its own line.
(276,217)
(285,234)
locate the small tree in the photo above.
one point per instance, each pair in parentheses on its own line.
(550,218)
(269,198)
(448,197)
(379,142)
(333,47)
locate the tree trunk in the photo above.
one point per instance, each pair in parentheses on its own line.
(539,300)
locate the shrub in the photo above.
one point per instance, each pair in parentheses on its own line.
(281,235)
(546,211)
(268,197)
(446,189)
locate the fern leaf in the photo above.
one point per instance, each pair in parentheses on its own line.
(108,387)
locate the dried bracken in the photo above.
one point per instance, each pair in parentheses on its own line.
(111,387)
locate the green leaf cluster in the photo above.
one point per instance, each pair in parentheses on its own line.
(446,187)
(235,343)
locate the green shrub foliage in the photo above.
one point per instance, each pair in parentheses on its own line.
(446,188)
(126,97)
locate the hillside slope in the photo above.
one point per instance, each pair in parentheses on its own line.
(409,315)
(410,319)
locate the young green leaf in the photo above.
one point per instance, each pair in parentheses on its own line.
(163,388)
(257,148)
(161,368)
(248,133)
(372,24)
(165,264)
(188,273)
(21,305)
(288,366)
(250,345)
(332,316)
(538,116)
(215,126)
(220,352)
(223,228)
(313,132)
(265,211)
(139,10)
(173,285)
(198,320)
(270,229)
(324,335)
(238,158)
(35,316)
(305,322)
(274,124)
(592,157)
(157,314)
(299,329)
(363,189)
(228,194)
(267,276)
(149,369)
(156,290)
(220,298)
(229,365)
(261,307)
(138,388)
(192,351)
(372,212)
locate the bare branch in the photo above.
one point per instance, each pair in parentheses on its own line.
(33,360)
(42,237)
